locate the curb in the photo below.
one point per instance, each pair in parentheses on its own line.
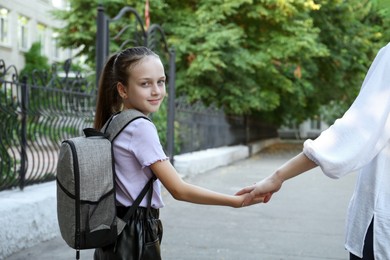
(189,164)
(29,217)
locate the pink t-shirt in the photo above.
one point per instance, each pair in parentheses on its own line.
(135,149)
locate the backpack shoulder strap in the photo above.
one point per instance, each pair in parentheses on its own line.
(119,121)
(111,130)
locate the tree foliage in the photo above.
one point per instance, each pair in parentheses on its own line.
(280,59)
(34,61)
(353,34)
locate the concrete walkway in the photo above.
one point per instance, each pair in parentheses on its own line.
(305,220)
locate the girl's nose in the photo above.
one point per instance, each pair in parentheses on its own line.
(156,90)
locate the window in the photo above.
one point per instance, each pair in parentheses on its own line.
(315,123)
(4,37)
(56,49)
(42,38)
(23,32)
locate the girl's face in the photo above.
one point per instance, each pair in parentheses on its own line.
(146,88)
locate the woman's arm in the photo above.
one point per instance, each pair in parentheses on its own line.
(265,188)
(183,191)
(295,166)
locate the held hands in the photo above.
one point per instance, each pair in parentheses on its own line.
(242,198)
(261,191)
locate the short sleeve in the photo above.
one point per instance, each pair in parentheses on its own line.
(145,143)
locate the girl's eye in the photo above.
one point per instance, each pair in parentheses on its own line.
(149,83)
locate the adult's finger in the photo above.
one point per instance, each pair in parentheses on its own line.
(245,190)
(267,197)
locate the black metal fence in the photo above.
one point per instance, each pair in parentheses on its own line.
(199,127)
(37,113)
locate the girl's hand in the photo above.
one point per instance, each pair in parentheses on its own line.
(262,190)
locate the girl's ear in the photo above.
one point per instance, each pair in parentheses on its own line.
(121,90)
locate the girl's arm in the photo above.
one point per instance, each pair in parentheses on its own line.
(183,191)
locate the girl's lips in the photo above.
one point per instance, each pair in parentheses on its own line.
(154,101)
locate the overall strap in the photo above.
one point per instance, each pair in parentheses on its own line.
(133,208)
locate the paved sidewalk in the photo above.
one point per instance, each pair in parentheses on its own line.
(305,220)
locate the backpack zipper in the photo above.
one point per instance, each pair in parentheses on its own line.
(76,171)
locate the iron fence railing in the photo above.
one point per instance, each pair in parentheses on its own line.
(200,127)
(36,114)
(39,112)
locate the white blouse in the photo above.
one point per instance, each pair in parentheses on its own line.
(360,141)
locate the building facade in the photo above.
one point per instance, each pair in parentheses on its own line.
(309,129)
(24,22)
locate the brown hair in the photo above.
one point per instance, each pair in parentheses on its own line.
(117,69)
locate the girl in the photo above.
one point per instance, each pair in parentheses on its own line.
(135,79)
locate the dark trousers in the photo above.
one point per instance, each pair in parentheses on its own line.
(368,250)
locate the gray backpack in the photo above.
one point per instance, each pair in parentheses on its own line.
(86,209)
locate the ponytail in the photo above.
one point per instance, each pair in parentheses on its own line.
(108,100)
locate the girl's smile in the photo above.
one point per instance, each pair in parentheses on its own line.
(155,101)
